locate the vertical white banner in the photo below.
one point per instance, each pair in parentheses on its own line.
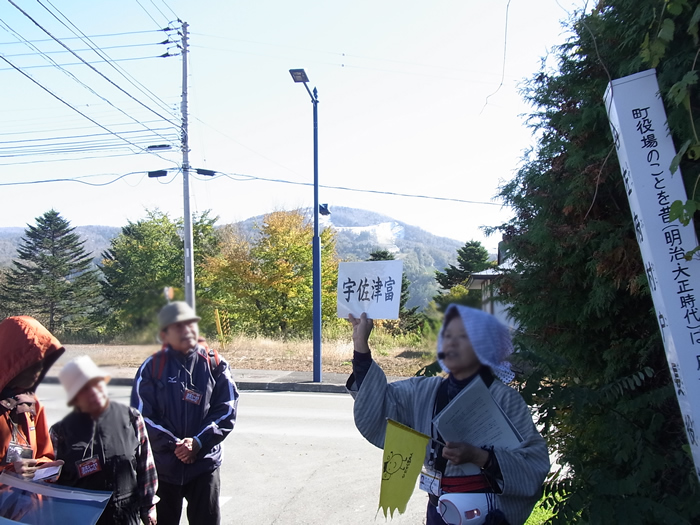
(645,150)
(373,287)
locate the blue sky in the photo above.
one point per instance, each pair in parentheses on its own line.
(409,95)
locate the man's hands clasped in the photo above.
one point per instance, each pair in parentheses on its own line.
(186,450)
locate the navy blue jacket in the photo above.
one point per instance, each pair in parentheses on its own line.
(159,394)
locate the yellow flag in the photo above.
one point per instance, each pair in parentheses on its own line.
(404,452)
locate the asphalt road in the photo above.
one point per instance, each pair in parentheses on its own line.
(293,459)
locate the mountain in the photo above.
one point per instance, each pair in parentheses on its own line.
(96,241)
(359,232)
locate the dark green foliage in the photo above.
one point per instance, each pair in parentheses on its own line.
(52,278)
(410,320)
(142,260)
(471,258)
(454,281)
(600,379)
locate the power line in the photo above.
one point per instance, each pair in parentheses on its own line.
(44,161)
(42,66)
(241,178)
(169,9)
(503,69)
(27,183)
(358,190)
(77,80)
(147,13)
(75,109)
(109,61)
(83,61)
(343,55)
(14,133)
(104,35)
(59,51)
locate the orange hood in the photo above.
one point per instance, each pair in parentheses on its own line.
(23,342)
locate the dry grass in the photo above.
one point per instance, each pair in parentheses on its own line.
(114,356)
(269,354)
(259,353)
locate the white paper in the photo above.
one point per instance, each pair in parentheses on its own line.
(46,472)
(373,287)
(474,417)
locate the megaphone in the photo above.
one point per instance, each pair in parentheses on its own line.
(463,508)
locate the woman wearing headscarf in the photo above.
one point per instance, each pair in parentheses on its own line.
(27,351)
(105,447)
(471,344)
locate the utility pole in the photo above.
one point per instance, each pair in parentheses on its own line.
(189,255)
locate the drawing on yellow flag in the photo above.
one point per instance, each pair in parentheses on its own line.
(404,452)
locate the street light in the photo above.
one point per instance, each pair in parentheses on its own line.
(299,75)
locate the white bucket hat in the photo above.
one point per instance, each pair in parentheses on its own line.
(77,373)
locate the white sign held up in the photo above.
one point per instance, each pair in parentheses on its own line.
(645,150)
(373,287)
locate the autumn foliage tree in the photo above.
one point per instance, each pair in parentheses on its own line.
(264,284)
(600,381)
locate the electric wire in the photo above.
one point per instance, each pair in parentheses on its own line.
(55,130)
(77,80)
(59,51)
(44,161)
(170,9)
(339,54)
(103,35)
(242,178)
(147,13)
(31,182)
(109,61)
(76,109)
(358,190)
(43,66)
(81,59)
(503,69)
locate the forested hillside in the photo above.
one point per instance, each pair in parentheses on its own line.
(359,232)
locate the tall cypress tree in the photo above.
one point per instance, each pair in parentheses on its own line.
(577,286)
(52,278)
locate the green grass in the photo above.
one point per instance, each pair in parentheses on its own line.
(539,515)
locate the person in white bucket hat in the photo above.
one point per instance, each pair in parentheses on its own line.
(105,446)
(467,483)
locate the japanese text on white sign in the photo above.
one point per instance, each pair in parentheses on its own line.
(645,150)
(373,287)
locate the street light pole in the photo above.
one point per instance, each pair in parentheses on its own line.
(299,75)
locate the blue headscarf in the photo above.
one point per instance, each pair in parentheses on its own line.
(489,337)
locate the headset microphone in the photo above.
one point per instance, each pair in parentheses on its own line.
(441,355)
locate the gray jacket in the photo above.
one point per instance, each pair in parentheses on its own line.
(411,402)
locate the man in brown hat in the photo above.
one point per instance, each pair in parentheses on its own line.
(188,400)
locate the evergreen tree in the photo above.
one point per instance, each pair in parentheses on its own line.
(410,321)
(52,279)
(600,383)
(146,257)
(471,258)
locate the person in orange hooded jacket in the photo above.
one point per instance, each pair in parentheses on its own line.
(27,351)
